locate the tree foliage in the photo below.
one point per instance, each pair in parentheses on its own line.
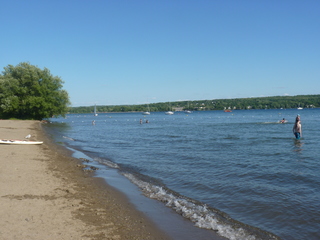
(27,92)
(276,102)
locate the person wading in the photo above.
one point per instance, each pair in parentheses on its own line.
(297,130)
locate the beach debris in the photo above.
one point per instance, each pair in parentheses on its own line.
(87,168)
(82,166)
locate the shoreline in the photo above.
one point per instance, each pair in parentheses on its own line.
(174,225)
(44,194)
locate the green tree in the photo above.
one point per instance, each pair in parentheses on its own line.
(27,92)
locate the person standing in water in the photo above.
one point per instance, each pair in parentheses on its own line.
(297,130)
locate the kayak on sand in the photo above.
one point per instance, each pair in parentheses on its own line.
(21,142)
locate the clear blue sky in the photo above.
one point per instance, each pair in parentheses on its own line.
(131,52)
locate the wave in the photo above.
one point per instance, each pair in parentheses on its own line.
(200,214)
(107,163)
(69,138)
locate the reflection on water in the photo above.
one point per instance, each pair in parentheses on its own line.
(298,144)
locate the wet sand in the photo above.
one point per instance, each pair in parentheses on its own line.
(45,194)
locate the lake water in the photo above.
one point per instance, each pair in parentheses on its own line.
(241,174)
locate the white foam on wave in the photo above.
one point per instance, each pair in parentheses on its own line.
(69,138)
(200,215)
(107,163)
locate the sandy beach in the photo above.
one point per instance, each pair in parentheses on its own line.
(45,194)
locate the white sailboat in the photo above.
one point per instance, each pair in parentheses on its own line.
(170,112)
(187,111)
(95,111)
(147,112)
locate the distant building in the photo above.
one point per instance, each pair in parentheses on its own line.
(177,109)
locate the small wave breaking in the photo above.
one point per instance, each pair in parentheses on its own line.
(69,138)
(200,214)
(107,163)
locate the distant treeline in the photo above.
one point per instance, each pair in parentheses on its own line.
(304,101)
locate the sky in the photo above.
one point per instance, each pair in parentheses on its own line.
(122,52)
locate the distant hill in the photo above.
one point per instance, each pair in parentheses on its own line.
(276,102)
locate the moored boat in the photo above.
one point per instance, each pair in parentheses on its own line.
(95,111)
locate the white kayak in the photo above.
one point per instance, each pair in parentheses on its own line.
(18,142)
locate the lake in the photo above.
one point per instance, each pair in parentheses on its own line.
(241,174)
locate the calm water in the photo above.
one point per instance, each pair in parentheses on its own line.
(223,171)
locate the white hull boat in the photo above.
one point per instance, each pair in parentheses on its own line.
(95,111)
(169,113)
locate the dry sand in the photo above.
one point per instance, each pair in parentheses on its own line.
(44,194)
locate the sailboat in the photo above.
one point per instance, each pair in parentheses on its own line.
(95,111)
(187,111)
(169,112)
(147,112)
